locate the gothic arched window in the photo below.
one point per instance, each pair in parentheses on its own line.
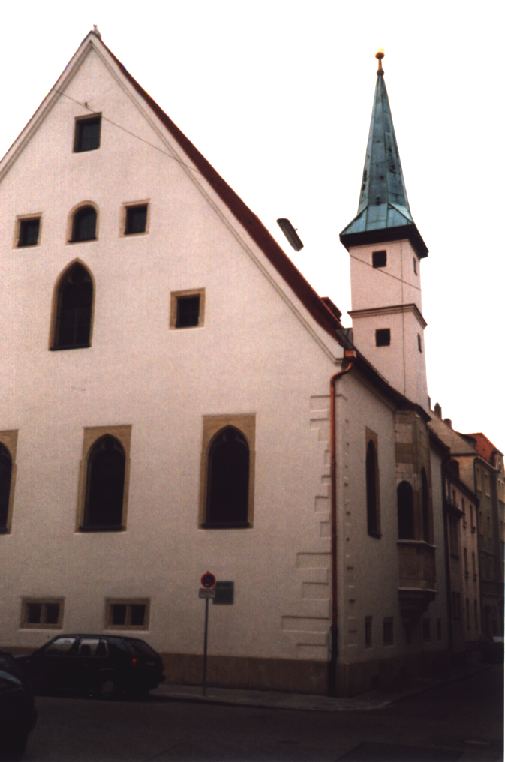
(227,491)
(425,507)
(73,309)
(83,224)
(105,484)
(405,502)
(5,486)
(372,490)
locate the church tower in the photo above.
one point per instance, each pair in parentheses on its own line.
(386,250)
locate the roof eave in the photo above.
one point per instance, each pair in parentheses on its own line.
(382,235)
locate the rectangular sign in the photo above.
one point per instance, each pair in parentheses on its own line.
(224,594)
(204,592)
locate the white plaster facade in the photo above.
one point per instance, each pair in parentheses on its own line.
(259,352)
(389,297)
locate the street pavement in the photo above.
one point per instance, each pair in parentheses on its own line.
(461,719)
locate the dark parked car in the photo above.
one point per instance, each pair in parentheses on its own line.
(17,709)
(99,665)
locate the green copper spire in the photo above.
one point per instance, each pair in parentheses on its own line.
(384,211)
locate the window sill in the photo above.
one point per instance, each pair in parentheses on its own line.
(227,525)
(26,245)
(375,535)
(88,529)
(84,240)
(73,346)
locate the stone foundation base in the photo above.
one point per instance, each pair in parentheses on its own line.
(246,672)
(305,676)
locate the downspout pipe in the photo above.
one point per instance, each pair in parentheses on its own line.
(347,365)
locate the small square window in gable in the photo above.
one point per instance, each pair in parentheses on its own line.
(28,231)
(382,337)
(87,133)
(186,308)
(135,219)
(379,258)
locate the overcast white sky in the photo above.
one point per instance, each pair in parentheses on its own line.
(277,95)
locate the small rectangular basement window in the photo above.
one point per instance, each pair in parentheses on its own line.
(127,614)
(419,343)
(379,258)
(42,613)
(135,219)
(87,133)
(28,231)
(382,337)
(186,308)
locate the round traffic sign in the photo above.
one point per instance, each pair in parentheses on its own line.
(208,580)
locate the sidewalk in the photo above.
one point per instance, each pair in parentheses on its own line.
(301,701)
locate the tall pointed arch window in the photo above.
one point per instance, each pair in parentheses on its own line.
(228,479)
(8,448)
(5,487)
(372,486)
(405,504)
(83,224)
(227,486)
(105,485)
(73,309)
(425,507)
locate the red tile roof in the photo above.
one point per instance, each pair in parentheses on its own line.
(323,315)
(484,447)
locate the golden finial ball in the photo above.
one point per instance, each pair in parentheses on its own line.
(379,55)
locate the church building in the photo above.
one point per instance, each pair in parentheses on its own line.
(178,399)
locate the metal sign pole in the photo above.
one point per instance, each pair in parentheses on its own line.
(205,634)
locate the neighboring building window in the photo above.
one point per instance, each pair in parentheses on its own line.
(227,471)
(28,231)
(382,337)
(87,133)
(425,507)
(405,500)
(127,614)
(426,630)
(387,631)
(187,308)
(105,481)
(5,487)
(372,489)
(419,343)
(42,613)
(83,224)
(474,566)
(453,536)
(368,632)
(73,309)
(414,264)
(135,219)
(379,258)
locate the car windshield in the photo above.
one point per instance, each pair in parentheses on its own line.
(60,646)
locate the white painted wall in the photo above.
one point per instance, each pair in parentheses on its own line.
(379,299)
